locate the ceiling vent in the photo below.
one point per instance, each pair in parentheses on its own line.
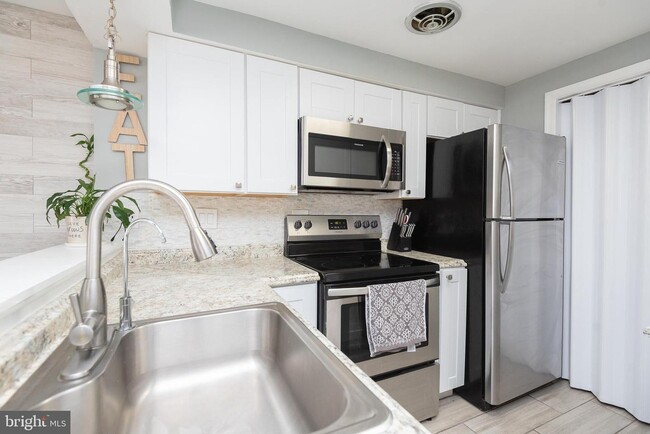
(433,17)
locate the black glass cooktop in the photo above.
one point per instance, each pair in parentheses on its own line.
(365,266)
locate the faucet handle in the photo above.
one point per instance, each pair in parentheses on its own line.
(81,334)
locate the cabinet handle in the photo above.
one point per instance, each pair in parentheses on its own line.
(408,191)
(360,120)
(237,184)
(350,118)
(450,277)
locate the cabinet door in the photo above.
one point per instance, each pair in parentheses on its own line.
(272,124)
(444,117)
(475,117)
(453,307)
(196,115)
(377,106)
(414,122)
(326,96)
(302,298)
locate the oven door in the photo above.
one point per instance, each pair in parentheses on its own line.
(346,328)
(340,155)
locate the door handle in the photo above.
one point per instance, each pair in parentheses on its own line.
(505,275)
(509,174)
(389,161)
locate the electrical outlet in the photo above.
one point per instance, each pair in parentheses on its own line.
(300,211)
(207,217)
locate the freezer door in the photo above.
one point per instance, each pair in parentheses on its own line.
(525,174)
(523,307)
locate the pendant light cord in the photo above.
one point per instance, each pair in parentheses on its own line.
(111,31)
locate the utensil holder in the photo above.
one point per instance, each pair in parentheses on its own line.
(397,243)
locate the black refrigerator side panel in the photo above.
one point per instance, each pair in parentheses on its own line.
(450,222)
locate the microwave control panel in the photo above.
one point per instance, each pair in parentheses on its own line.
(396,173)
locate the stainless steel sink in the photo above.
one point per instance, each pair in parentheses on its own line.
(249,370)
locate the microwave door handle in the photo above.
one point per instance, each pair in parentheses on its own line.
(389,161)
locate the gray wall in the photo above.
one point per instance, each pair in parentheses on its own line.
(524,104)
(272,39)
(110,164)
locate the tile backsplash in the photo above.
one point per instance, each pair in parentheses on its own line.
(246,220)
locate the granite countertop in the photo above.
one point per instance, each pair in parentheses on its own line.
(442,261)
(165,284)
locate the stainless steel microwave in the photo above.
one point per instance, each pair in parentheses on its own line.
(346,157)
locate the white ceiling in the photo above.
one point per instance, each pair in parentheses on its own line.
(501,41)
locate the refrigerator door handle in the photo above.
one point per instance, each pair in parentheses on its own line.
(505,275)
(509,174)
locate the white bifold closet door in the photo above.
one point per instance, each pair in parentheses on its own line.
(609,353)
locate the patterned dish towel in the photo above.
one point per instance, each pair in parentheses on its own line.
(395,315)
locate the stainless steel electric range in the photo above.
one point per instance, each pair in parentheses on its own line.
(346,252)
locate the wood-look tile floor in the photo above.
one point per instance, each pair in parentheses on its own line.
(555,409)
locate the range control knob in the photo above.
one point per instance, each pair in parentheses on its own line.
(297,225)
(366,224)
(374,224)
(308,224)
(357,224)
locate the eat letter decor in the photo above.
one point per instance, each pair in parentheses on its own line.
(121,129)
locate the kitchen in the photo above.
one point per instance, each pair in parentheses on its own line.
(251,226)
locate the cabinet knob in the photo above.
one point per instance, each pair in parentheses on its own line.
(292,187)
(450,277)
(408,191)
(350,118)
(360,120)
(237,184)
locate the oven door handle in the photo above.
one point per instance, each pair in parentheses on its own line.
(363,290)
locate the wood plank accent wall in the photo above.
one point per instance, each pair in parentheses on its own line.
(44,60)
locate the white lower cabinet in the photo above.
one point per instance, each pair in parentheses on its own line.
(453,315)
(302,298)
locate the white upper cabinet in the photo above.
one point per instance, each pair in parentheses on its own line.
(414,121)
(475,117)
(272,125)
(342,99)
(445,117)
(196,115)
(326,96)
(377,106)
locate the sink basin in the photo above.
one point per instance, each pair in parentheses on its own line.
(247,370)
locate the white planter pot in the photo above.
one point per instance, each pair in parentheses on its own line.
(77,231)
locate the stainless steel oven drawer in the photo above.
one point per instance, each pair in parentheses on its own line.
(416,391)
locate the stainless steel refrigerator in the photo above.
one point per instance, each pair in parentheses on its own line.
(495,198)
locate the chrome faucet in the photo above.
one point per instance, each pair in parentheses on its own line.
(126,318)
(89,307)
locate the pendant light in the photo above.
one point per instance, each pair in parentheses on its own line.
(109,94)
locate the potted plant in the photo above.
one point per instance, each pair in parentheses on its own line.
(74,206)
